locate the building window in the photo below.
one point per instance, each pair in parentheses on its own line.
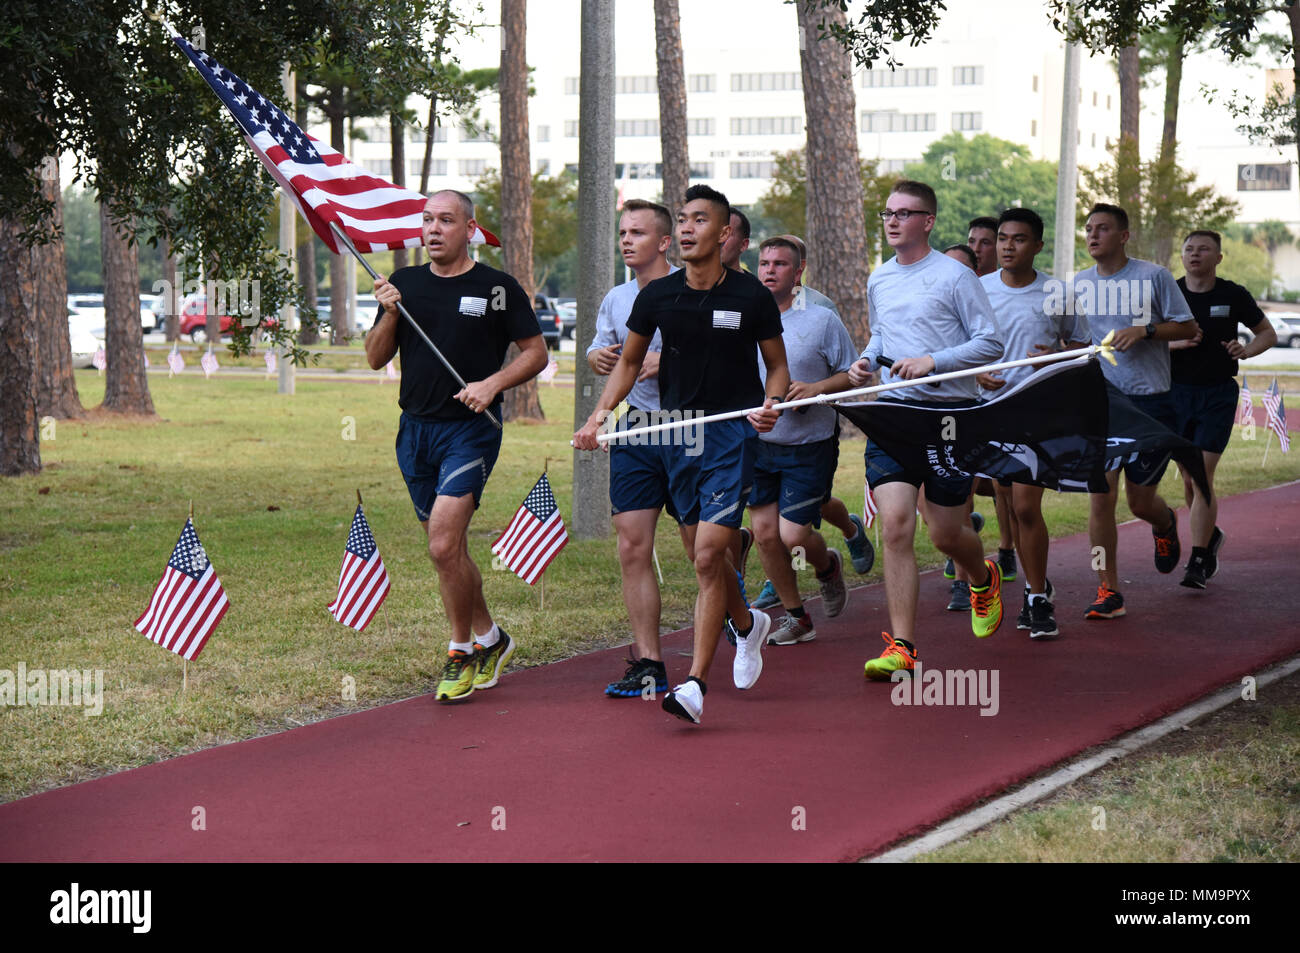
(1094,140)
(701,83)
(699,127)
(543,166)
(767,126)
(382,167)
(701,170)
(636,84)
(638,170)
(1107,102)
(471,166)
(377,133)
(636,127)
(570,129)
(968,75)
(1035,84)
(897,122)
(752,170)
(1033,127)
(879,78)
(543,133)
(470,134)
(890,166)
(1264,177)
(571,86)
(415,135)
(967,122)
(765,82)
(416,167)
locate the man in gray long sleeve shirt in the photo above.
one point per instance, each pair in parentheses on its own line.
(929,314)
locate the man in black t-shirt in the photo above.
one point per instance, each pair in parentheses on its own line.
(446,447)
(711,319)
(1204,385)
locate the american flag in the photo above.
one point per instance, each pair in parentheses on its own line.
(869,509)
(1275,416)
(363,580)
(535,535)
(188,601)
(1247,412)
(373,212)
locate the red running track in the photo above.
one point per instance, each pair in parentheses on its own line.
(571,775)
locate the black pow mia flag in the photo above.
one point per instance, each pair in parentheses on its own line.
(1061,428)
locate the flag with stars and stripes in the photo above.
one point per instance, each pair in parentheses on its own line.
(869,508)
(1247,410)
(373,212)
(535,535)
(363,580)
(1275,416)
(188,601)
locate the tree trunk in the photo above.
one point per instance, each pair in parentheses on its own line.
(20,450)
(672,107)
(522,402)
(836,227)
(1129,158)
(1162,230)
(307,244)
(439,46)
(339,330)
(56,386)
(397,130)
(126,388)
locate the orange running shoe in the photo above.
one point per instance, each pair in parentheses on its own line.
(986,603)
(898,656)
(1109,604)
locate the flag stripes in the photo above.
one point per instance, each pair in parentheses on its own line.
(188,602)
(535,536)
(363,580)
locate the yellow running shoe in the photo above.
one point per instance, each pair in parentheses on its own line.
(898,656)
(458,677)
(492,661)
(986,603)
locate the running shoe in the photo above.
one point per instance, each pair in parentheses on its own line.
(1042,615)
(686,701)
(949,570)
(1196,575)
(641,674)
(1212,563)
(834,592)
(898,656)
(492,661)
(1024,621)
(1109,604)
(748,664)
(977,522)
(986,604)
(746,541)
(959,596)
(861,553)
(1007,564)
(791,630)
(767,597)
(457,682)
(1167,548)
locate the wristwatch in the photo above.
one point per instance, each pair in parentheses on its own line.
(1151,330)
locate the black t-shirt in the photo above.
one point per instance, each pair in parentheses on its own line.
(1218,312)
(472,318)
(710,354)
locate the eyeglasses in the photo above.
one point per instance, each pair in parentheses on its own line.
(903,214)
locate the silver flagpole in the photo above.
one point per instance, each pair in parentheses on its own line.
(1104,349)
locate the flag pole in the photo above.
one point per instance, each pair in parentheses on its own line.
(1104,349)
(347,243)
(658,572)
(1266,446)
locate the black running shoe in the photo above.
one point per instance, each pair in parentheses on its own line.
(1196,575)
(1042,615)
(641,674)
(1168,550)
(959,597)
(1212,563)
(1007,564)
(1023,621)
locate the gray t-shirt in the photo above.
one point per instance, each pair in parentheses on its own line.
(1139,293)
(611,331)
(817,345)
(1028,317)
(811,296)
(935,306)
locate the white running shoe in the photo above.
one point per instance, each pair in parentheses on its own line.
(749,651)
(685,701)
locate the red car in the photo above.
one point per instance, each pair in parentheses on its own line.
(194,319)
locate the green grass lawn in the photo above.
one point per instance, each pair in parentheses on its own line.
(273,482)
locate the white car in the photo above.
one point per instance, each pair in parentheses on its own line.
(86,335)
(92,305)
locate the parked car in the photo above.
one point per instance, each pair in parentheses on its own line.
(550,320)
(86,334)
(194,319)
(1285,323)
(92,305)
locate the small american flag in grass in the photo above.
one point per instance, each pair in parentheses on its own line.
(363,580)
(1247,411)
(535,535)
(1275,416)
(188,601)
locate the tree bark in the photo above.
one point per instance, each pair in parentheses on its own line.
(339,330)
(126,388)
(673,146)
(1129,157)
(20,450)
(1162,232)
(307,245)
(56,386)
(397,131)
(837,234)
(522,402)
